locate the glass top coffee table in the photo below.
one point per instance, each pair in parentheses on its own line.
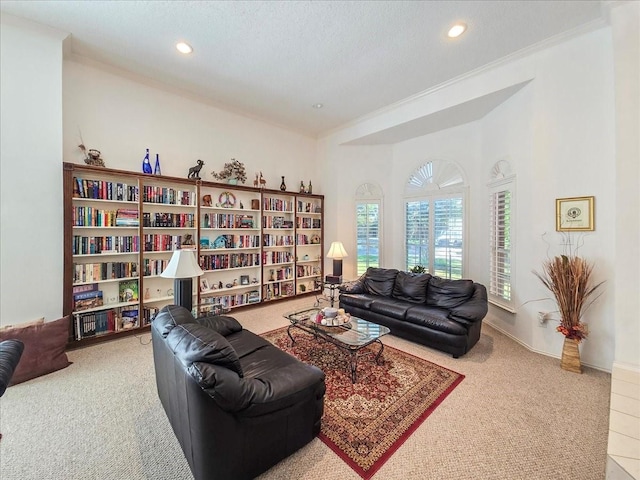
(351,337)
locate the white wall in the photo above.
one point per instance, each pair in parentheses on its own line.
(30,172)
(558,135)
(122,117)
(46,100)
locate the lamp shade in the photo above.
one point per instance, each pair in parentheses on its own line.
(183,264)
(337,251)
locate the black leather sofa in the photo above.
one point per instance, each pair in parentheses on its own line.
(237,404)
(436,312)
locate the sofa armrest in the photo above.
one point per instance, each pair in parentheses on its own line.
(474,309)
(355,286)
(10,353)
(271,392)
(222,324)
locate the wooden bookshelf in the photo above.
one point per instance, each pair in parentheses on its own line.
(255,245)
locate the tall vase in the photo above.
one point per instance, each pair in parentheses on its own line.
(571,356)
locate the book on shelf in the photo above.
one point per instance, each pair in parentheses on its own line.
(128,290)
(86,300)
(129,318)
(90,287)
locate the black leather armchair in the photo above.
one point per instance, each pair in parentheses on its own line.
(237,404)
(10,353)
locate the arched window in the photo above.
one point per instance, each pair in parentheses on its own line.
(368,226)
(502,187)
(435,219)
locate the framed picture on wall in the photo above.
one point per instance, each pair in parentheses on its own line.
(575,214)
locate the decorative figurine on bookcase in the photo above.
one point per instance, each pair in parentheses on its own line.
(187,240)
(283,186)
(91,155)
(263,182)
(206,201)
(233,172)
(194,172)
(156,171)
(146,164)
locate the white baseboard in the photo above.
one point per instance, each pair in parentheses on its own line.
(531,349)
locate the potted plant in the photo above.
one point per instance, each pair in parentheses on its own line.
(569,278)
(233,172)
(417,269)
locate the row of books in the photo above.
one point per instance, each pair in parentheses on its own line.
(109,243)
(168,196)
(154,267)
(93,324)
(277,221)
(277,204)
(282,273)
(277,290)
(269,258)
(229,260)
(308,207)
(227,220)
(229,301)
(308,222)
(307,270)
(93,272)
(104,190)
(277,240)
(161,243)
(163,219)
(231,241)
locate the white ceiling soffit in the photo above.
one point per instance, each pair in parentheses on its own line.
(453,116)
(273,60)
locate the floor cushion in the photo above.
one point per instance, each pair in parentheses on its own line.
(44,347)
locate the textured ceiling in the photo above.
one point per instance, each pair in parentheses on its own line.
(274,59)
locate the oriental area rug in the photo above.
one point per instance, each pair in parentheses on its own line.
(366,422)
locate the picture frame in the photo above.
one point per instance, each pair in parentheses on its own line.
(204,285)
(244,279)
(575,214)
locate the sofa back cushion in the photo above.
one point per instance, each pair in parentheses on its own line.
(170,316)
(192,342)
(411,287)
(380,281)
(446,293)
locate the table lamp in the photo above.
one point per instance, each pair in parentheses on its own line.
(337,252)
(183,267)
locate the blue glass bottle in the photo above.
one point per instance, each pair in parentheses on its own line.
(146,164)
(156,171)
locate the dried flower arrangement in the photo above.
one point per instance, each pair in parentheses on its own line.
(569,278)
(232,169)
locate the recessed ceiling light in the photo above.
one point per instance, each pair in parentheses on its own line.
(184,48)
(457,30)
(317,105)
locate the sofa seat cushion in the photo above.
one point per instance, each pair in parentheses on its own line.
(380,281)
(390,307)
(359,300)
(434,318)
(265,360)
(246,342)
(192,342)
(411,287)
(445,293)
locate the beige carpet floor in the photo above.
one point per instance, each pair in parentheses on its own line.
(516,415)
